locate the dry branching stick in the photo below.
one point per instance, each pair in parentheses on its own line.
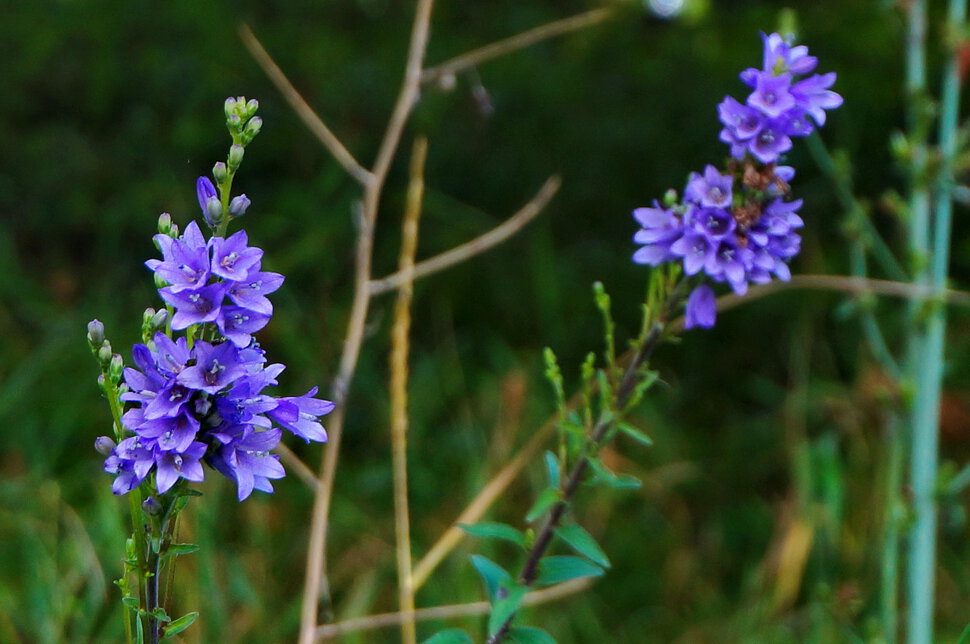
(476,246)
(398,390)
(317,547)
(516,42)
(302,109)
(451,611)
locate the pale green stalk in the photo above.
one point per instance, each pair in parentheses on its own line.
(929,369)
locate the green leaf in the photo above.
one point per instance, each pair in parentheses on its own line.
(555,570)
(547,498)
(635,434)
(583,543)
(552,469)
(530,635)
(139,631)
(131,602)
(602,474)
(505,608)
(182,548)
(492,530)
(180,624)
(450,636)
(492,574)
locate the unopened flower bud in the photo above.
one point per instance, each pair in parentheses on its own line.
(151,506)
(104,353)
(251,106)
(234,122)
(104,445)
(95,333)
(165,224)
(160,319)
(101,381)
(213,211)
(236,153)
(239,205)
(116,367)
(230,107)
(253,127)
(146,317)
(204,190)
(670,198)
(219,172)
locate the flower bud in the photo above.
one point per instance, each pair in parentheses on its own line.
(239,205)
(146,317)
(234,122)
(213,211)
(251,106)
(204,190)
(95,333)
(101,381)
(104,353)
(252,128)
(219,172)
(670,198)
(165,224)
(159,319)
(116,367)
(151,506)
(160,281)
(236,153)
(104,445)
(230,107)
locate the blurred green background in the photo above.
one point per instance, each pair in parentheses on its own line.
(760,513)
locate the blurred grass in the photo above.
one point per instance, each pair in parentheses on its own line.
(759,517)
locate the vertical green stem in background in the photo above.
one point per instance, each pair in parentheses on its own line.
(929,369)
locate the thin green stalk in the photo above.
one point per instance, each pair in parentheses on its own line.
(892,520)
(929,370)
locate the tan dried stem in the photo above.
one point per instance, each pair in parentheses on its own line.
(516,42)
(476,246)
(398,389)
(453,611)
(317,547)
(302,109)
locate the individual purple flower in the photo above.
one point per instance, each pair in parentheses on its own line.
(771,95)
(251,293)
(216,367)
(697,251)
(232,259)
(239,205)
(238,324)
(660,228)
(185,261)
(712,189)
(701,309)
(300,415)
(246,459)
(175,465)
(194,307)
(771,141)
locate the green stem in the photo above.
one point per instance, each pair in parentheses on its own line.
(929,369)
(889,587)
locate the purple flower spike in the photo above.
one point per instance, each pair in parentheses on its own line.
(701,308)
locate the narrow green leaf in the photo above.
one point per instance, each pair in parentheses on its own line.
(635,434)
(530,635)
(505,608)
(555,570)
(602,474)
(182,548)
(492,530)
(583,543)
(450,636)
(547,498)
(492,574)
(160,614)
(552,469)
(139,631)
(130,601)
(181,624)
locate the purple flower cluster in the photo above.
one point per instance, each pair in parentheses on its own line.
(738,226)
(203,401)
(781,106)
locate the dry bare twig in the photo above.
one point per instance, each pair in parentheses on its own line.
(476,246)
